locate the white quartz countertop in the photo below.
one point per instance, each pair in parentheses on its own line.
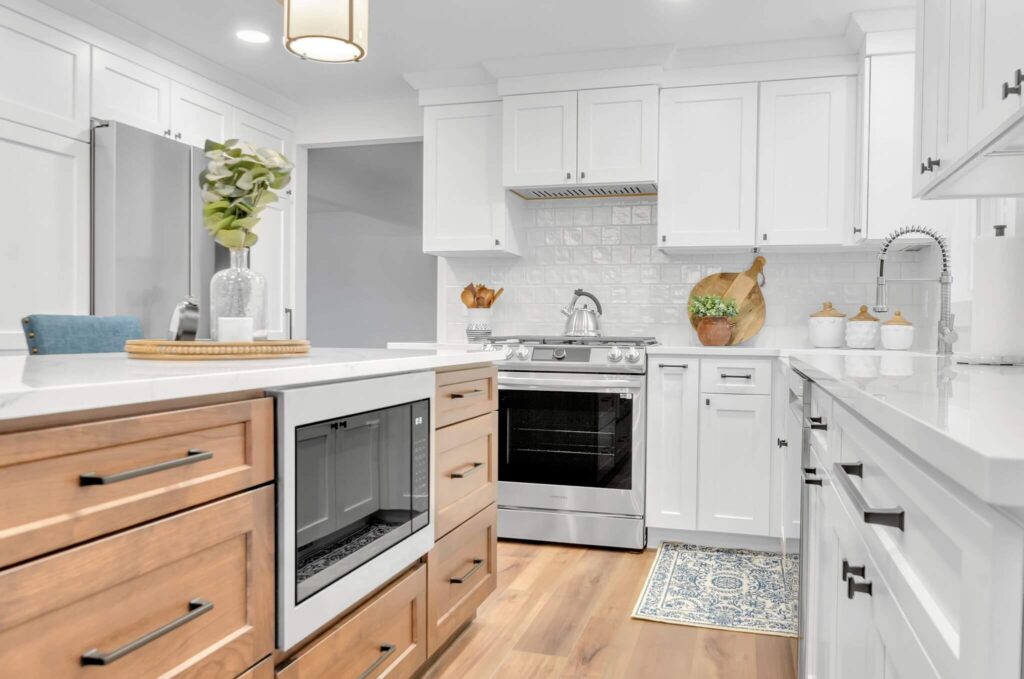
(966,421)
(43,385)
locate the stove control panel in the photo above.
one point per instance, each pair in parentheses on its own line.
(572,358)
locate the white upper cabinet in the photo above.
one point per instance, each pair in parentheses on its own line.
(805,162)
(539,139)
(126,92)
(261,132)
(618,135)
(603,136)
(707,177)
(996,64)
(44,187)
(888,180)
(464,208)
(673,391)
(734,468)
(197,116)
(44,75)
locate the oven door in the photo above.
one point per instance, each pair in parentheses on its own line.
(571,442)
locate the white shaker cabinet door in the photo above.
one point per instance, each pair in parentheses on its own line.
(261,133)
(44,77)
(618,135)
(707,178)
(464,208)
(196,116)
(997,64)
(539,139)
(734,467)
(672,440)
(125,92)
(806,160)
(44,188)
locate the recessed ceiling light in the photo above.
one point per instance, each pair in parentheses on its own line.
(258,37)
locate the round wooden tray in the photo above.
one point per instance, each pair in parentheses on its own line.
(206,350)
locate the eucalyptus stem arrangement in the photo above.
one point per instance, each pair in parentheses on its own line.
(238,183)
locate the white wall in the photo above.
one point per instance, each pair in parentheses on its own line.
(368,281)
(608,248)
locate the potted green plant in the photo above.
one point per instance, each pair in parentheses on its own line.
(239,182)
(714,328)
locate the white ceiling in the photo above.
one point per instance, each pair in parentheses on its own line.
(426,35)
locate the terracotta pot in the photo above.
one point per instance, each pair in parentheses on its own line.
(714,332)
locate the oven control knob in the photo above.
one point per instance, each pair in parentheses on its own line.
(615,354)
(523,353)
(632,355)
(509,351)
(559,354)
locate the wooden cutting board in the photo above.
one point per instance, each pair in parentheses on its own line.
(744,288)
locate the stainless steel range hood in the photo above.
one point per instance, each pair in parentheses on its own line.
(594,191)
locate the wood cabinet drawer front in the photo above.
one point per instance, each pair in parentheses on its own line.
(68,484)
(465,394)
(261,670)
(461,573)
(189,595)
(385,637)
(954,567)
(736,376)
(467,470)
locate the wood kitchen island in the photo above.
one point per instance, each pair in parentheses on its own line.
(137,522)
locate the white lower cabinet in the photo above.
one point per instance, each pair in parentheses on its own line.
(734,464)
(44,187)
(673,390)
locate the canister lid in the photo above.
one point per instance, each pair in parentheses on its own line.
(863,315)
(897,319)
(827,311)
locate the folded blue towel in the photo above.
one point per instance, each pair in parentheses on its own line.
(57,334)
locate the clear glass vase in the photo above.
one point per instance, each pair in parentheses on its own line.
(239,292)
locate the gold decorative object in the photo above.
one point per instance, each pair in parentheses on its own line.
(203,350)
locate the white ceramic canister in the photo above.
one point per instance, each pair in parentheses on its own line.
(862,330)
(897,333)
(826,326)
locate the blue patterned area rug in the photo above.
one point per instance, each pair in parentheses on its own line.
(733,589)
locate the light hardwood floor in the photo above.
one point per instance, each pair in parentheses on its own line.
(563,611)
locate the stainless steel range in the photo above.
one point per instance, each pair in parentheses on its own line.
(571,459)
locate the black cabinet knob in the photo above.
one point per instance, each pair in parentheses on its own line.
(853,587)
(849,570)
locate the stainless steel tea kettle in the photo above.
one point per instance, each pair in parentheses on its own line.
(583,321)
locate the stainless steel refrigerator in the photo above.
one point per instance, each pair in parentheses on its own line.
(149,246)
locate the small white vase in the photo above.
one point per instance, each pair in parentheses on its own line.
(478,325)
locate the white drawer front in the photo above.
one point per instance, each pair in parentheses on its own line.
(955,567)
(735,376)
(819,424)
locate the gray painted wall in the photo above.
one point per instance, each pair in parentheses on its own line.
(368,280)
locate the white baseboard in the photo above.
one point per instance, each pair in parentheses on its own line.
(655,536)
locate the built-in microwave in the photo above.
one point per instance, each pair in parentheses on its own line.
(353,493)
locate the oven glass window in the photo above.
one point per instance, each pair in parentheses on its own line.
(363,485)
(566,438)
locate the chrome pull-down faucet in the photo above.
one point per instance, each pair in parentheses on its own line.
(947,332)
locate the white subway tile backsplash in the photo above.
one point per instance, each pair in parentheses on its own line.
(611,251)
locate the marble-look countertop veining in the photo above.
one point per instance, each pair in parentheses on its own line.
(965,420)
(43,385)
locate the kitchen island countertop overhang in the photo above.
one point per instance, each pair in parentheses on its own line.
(31,386)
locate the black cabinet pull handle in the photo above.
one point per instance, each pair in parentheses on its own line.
(810,470)
(673,365)
(853,587)
(474,466)
(816,420)
(819,427)
(782,443)
(893,518)
(853,468)
(469,394)
(461,579)
(849,570)
(812,482)
(726,376)
(385,651)
(191,457)
(1016,87)
(196,608)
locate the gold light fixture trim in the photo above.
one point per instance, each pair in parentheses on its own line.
(328,31)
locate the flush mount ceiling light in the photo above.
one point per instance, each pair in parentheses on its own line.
(332,31)
(258,37)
